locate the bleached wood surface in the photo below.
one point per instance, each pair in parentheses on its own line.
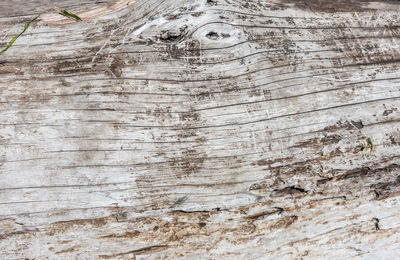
(204,129)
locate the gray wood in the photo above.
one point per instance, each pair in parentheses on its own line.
(204,129)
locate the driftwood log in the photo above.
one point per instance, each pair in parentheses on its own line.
(203,129)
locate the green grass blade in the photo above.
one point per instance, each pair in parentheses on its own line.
(68,14)
(17,36)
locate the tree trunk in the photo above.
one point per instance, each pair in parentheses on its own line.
(204,129)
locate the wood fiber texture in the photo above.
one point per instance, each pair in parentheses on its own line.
(204,129)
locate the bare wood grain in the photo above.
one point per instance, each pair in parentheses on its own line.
(200,129)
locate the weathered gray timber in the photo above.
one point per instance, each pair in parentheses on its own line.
(204,129)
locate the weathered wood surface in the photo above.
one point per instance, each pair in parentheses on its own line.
(214,129)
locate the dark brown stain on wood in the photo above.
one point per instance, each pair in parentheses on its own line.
(336,6)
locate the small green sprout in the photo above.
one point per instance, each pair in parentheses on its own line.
(68,14)
(368,146)
(17,36)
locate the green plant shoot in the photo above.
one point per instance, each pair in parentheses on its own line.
(369,146)
(17,36)
(68,14)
